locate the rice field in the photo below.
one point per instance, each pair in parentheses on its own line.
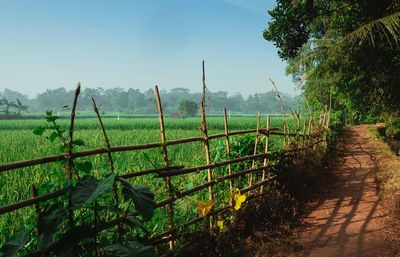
(18,142)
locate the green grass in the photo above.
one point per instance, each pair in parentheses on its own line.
(19,143)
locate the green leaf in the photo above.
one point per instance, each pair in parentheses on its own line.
(79,142)
(14,244)
(88,189)
(61,148)
(141,196)
(73,237)
(135,221)
(52,118)
(39,131)
(53,136)
(49,113)
(131,249)
(85,166)
(51,222)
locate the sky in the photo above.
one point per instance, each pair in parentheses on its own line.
(47,44)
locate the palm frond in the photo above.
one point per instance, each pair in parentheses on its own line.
(386,28)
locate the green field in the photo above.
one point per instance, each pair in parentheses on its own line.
(19,143)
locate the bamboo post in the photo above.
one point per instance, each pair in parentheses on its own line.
(111,162)
(285,125)
(203,97)
(255,147)
(266,151)
(208,157)
(108,145)
(228,147)
(298,141)
(166,164)
(206,143)
(37,209)
(70,162)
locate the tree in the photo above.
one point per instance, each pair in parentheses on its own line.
(20,107)
(347,48)
(188,108)
(7,105)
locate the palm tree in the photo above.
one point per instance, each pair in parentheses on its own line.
(7,105)
(386,28)
(20,107)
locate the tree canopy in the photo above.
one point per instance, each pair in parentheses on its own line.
(349,49)
(134,101)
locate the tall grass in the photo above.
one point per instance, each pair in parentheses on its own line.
(19,143)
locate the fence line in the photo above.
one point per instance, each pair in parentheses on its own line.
(309,140)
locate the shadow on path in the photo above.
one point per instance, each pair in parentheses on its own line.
(349,220)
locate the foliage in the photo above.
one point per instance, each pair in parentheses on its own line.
(188,108)
(132,249)
(134,101)
(94,169)
(393,127)
(14,244)
(67,220)
(350,52)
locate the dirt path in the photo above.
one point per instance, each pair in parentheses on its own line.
(348,221)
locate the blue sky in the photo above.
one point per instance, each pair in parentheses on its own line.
(50,44)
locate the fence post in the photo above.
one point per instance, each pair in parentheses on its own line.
(266,151)
(228,147)
(37,210)
(166,164)
(107,141)
(70,162)
(111,162)
(208,157)
(255,147)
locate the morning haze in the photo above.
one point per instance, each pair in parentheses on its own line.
(136,44)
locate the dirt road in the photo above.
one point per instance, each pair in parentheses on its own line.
(349,220)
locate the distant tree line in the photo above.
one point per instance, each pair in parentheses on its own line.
(133,101)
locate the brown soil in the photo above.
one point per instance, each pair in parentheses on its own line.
(349,219)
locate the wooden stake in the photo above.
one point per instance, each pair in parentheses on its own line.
(208,157)
(255,147)
(228,147)
(166,164)
(266,151)
(70,160)
(284,122)
(111,162)
(37,209)
(204,85)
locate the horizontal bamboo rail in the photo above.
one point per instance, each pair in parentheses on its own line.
(163,237)
(208,166)
(56,194)
(63,157)
(162,172)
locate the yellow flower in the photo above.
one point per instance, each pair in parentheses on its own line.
(203,208)
(220,224)
(237,199)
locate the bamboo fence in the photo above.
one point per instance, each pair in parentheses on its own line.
(310,138)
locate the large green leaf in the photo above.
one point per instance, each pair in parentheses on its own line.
(79,142)
(14,244)
(39,131)
(88,189)
(141,196)
(51,222)
(78,234)
(85,166)
(131,249)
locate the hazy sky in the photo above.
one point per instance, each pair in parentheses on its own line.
(137,43)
